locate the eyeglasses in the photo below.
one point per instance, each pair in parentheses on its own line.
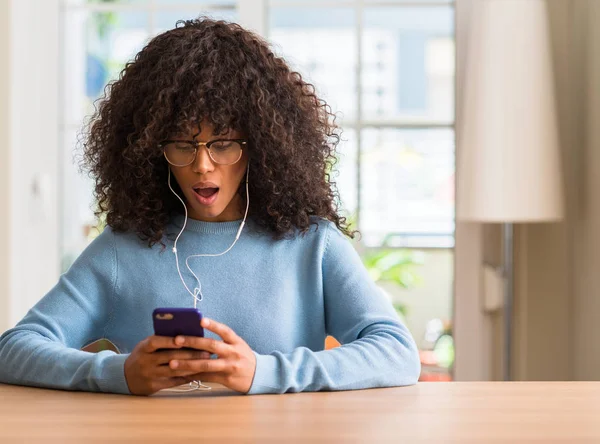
(222,151)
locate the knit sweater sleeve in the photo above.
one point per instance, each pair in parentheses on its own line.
(377,349)
(43,349)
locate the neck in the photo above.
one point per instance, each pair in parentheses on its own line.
(232,212)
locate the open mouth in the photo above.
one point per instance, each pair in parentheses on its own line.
(206,196)
(206,192)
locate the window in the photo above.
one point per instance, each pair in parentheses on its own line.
(387,68)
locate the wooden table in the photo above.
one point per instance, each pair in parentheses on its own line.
(542,412)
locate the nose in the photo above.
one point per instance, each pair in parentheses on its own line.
(203,163)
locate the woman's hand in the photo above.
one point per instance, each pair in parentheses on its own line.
(147,370)
(235,364)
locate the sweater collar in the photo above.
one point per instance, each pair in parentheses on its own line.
(207,227)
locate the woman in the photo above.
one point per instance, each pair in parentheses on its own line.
(210,149)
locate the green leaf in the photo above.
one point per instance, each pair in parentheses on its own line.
(396,266)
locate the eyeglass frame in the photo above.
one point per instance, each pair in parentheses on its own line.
(196,145)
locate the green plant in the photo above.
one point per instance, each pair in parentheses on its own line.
(103,21)
(396,266)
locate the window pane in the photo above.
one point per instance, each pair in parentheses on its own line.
(166,19)
(105,2)
(96,46)
(320,44)
(345,176)
(159,3)
(277,2)
(428,307)
(408,64)
(407,187)
(76,205)
(200,3)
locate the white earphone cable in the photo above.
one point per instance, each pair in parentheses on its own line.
(198,290)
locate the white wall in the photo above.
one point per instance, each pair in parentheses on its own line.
(5,272)
(29,154)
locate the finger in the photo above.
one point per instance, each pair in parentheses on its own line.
(163,357)
(164,371)
(154,343)
(225,332)
(200,365)
(212,346)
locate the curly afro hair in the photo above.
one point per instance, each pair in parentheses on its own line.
(215,70)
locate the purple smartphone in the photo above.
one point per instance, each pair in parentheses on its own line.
(177,321)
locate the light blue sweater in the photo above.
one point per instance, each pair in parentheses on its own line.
(282,297)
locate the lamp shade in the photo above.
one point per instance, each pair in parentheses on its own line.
(509,160)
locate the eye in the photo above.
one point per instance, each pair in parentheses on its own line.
(182,146)
(222,145)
